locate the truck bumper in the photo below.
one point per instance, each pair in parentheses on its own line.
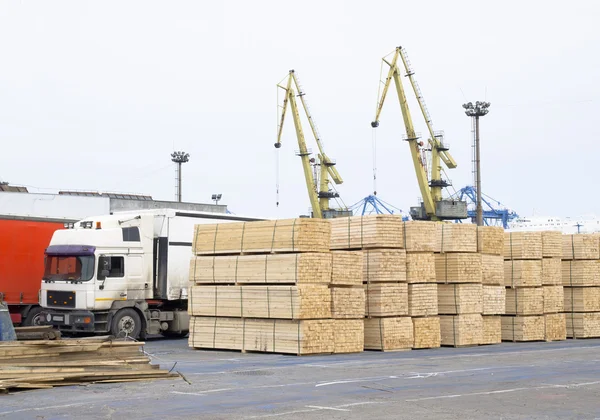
(82,321)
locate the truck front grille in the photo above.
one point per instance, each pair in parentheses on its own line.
(61,299)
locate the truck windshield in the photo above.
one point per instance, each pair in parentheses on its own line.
(69,268)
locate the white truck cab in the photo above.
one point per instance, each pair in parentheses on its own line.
(123,274)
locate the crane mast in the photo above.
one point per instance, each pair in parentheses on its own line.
(318,189)
(430,184)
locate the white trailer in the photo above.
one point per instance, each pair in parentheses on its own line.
(126,273)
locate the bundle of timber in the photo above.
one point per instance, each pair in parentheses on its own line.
(389,334)
(363,232)
(525,301)
(348,335)
(494,301)
(297,337)
(490,240)
(384,265)
(314,267)
(460,298)
(420,267)
(492,270)
(461,330)
(522,245)
(386,299)
(552,246)
(555,327)
(420,236)
(455,237)
(426,332)
(554,299)
(492,329)
(581,281)
(348,302)
(289,235)
(346,268)
(552,272)
(422,299)
(458,267)
(523,328)
(40,364)
(523,273)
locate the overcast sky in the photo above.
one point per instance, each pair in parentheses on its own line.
(96,95)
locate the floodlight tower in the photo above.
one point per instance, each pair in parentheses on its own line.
(179,158)
(216,198)
(475,111)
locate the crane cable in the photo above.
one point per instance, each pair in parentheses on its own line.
(374,151)
(277,152)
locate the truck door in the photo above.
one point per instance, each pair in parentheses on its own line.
(112,282)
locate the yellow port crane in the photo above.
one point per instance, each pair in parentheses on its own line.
(430,180)
(319,195)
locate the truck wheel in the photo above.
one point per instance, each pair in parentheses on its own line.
(34,318)
(126,322)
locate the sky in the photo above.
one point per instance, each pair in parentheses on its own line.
(96,96)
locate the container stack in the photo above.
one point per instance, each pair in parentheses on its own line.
(387,326)
(459,278)
(555,327)
(420,242)
(524,319)
(490,244)
(265,286)
(581,280)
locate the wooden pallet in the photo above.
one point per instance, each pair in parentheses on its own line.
(582,299)
(492,270)
(386,299)
(552,244)
(423,299)
(288,235)
(523,328)
(426,332)
(458,267)
(523,273)
(461,330)
(581,273)
(388,334)
(364,232)
(420,267)
(490,240)
(525,301)
(552,272)
(580,247)
(461,298)
(494,300)
(347,302)
(554,299)
(522,245)
(492,329)
(263,269)
(455,237)
(384,265)
(555,327)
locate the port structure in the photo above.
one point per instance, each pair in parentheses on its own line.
(320,172)
(427,158)
(494,213)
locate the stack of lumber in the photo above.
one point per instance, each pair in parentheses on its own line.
(581,281)
(420,244)
(555,327)
(459,277)
(524,292)
(382,278)
(41,364)
(490,244)
(274,286)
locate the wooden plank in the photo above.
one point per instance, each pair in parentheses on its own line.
(552,244)
(423,299)
(490,240)
(388,334)
(555,327)
(552,272)
(420,267)
(426,332)
(581,273)
(492,329)
(348,335)
(288,235)
(262,269)
(456,237)
(458,267)
(522,245)
(523,328)
(494,301)
(523,273)
(582,299)
(461,330)
(304,301)
(347,302)
(525,301)
(492,270)
(347,268)
(461,298)
(384,265)
(583,325)
(580,247)
(554,299)
(364,232)
(386,299)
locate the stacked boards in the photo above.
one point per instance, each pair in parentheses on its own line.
(555,327)
(265,286)
(581,280)
(459,283)
(490,244)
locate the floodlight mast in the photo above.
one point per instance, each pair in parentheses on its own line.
(475,111)
(179,158)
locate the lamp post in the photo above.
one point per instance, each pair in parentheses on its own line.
(475,111)
(179,158)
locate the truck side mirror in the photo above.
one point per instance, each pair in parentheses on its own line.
(105,272)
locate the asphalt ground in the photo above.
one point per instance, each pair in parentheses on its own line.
(505,381)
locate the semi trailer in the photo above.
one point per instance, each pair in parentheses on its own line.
(123,274)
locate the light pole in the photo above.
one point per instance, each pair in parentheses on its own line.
(475,111)
(216,198)
(179,157)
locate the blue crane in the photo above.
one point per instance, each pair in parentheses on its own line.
(371,204)
(493,214)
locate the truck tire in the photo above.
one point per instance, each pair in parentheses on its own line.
(33,318)
(127,322)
